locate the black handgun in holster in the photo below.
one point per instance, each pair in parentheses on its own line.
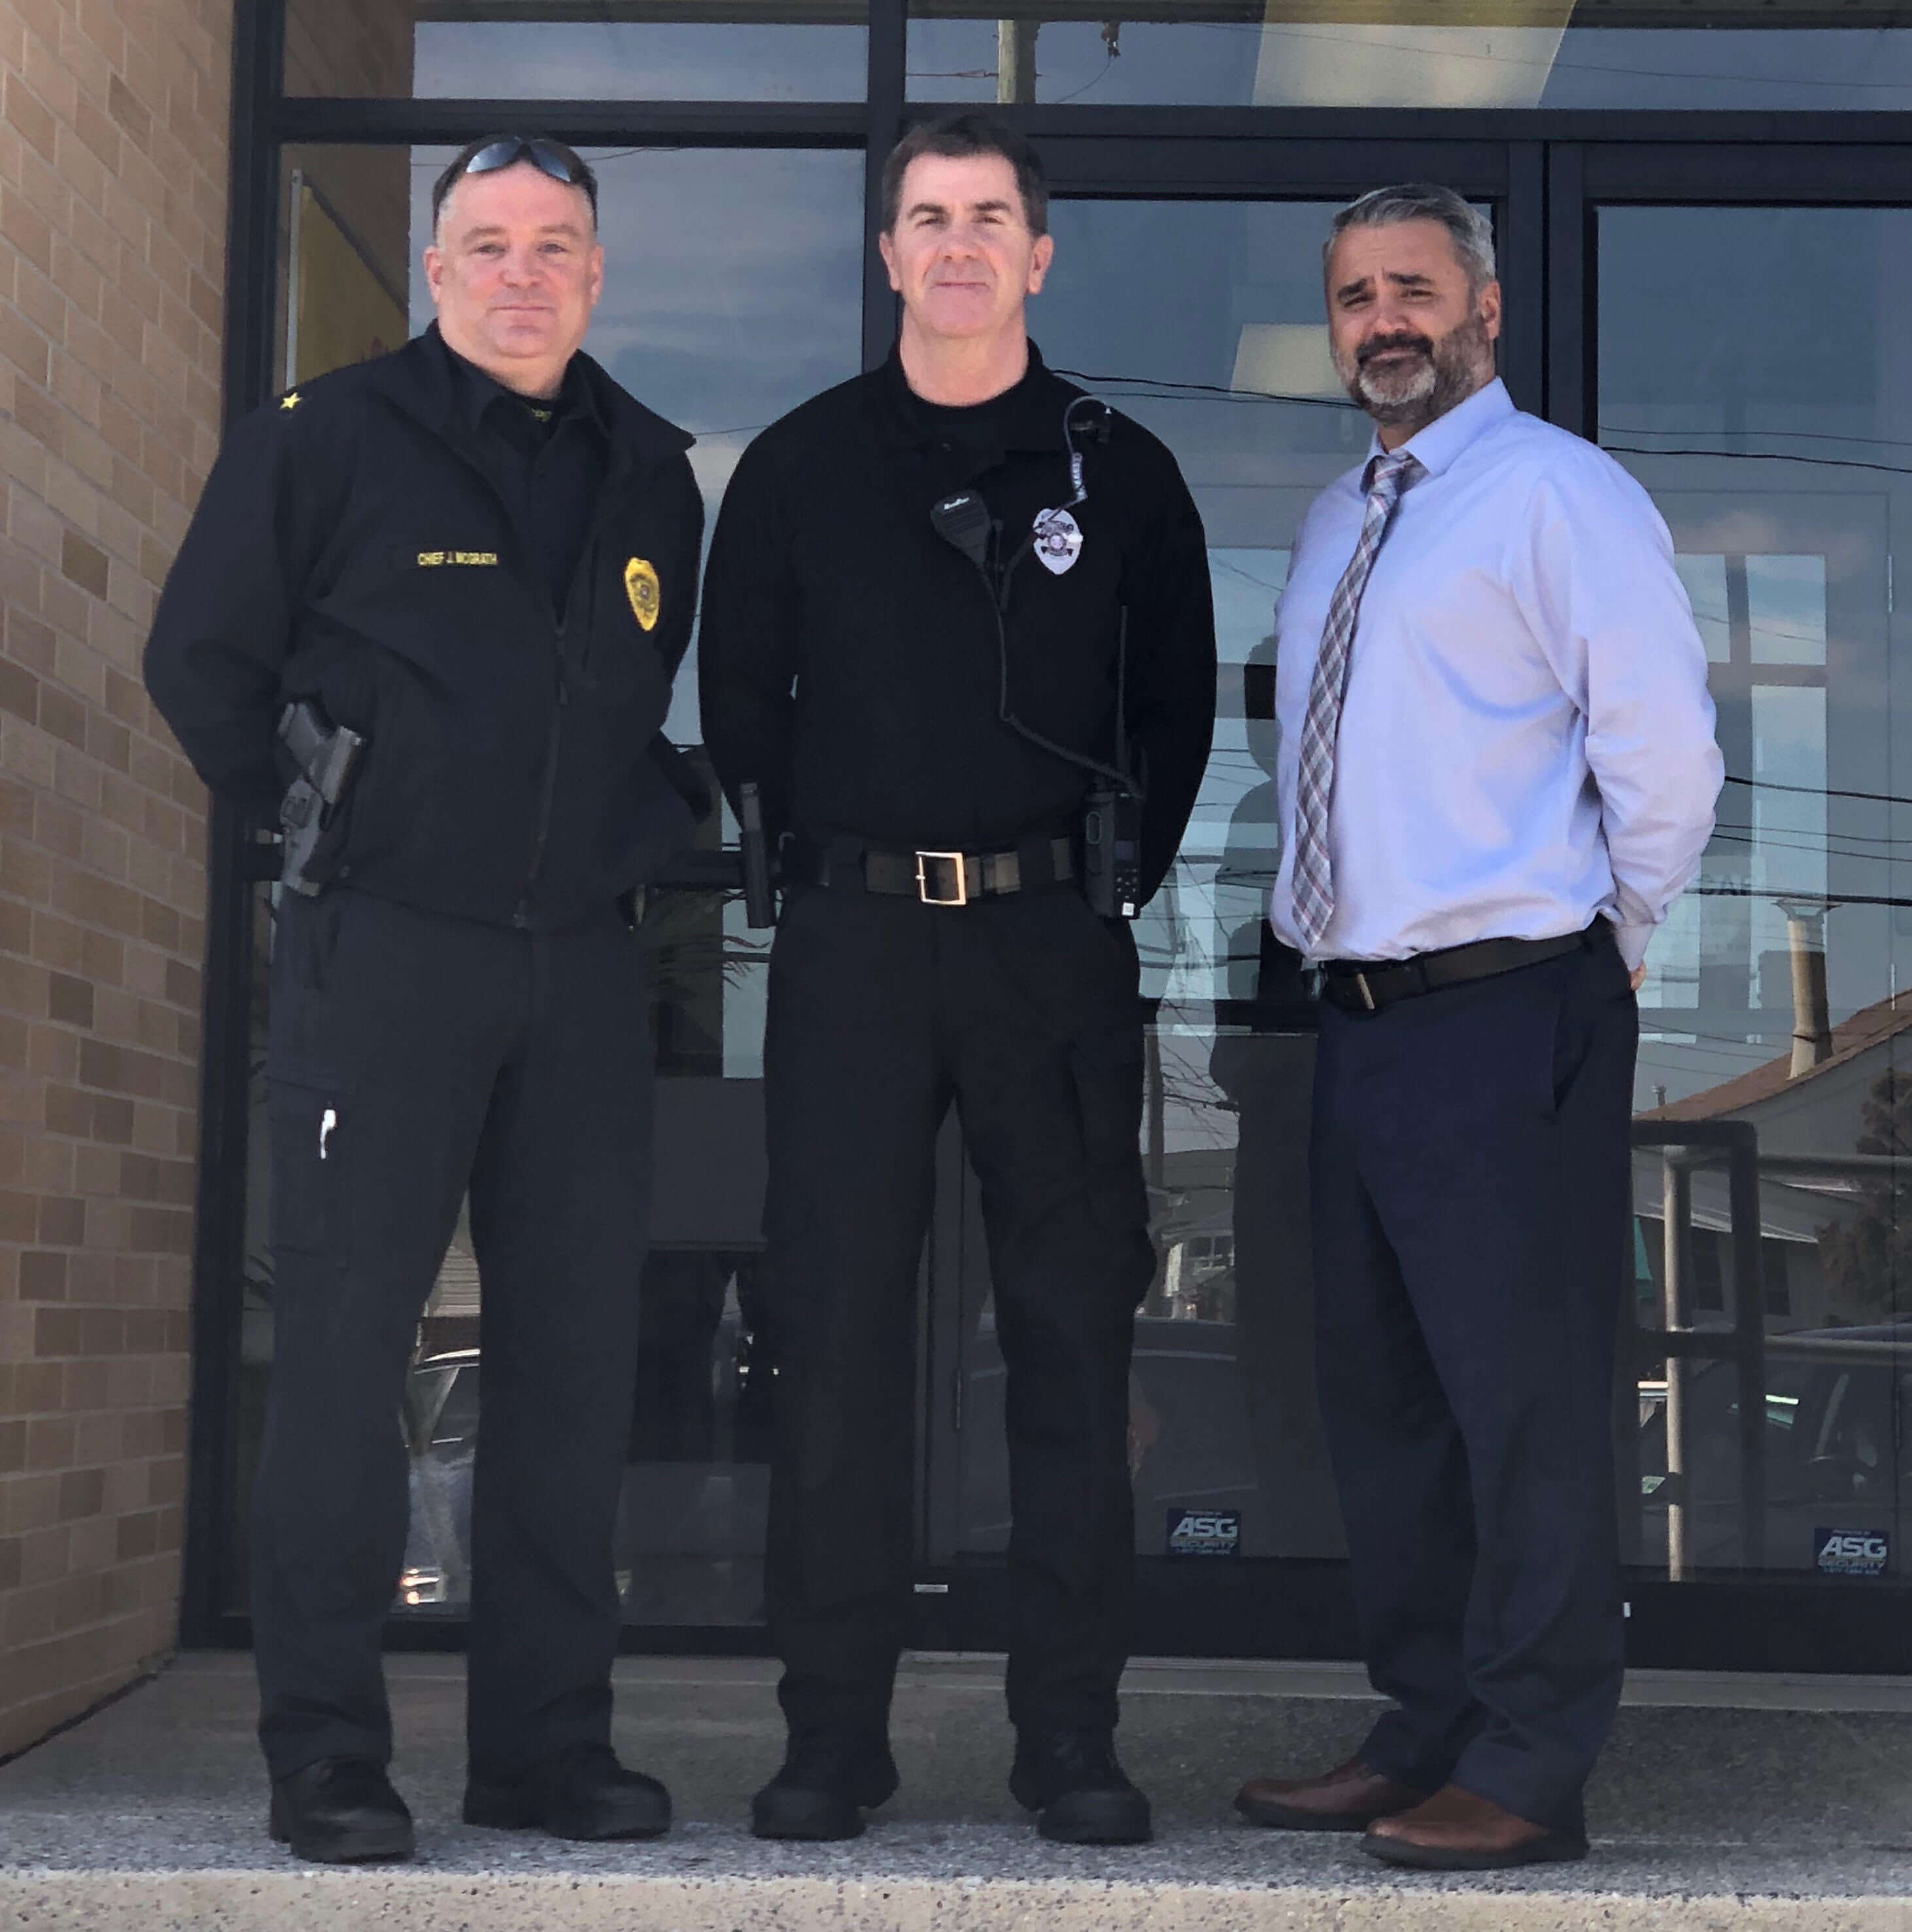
(326,756)
(760,899)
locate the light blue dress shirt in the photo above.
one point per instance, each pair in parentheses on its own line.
(1528,738)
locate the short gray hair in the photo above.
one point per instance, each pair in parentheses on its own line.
(1472,233)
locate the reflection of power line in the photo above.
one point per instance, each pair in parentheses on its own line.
(1831,900)
(445,154)
(1820,791)
(1775,435)
(1764,456)
(1108,67)
(1168,389)
(1160,387)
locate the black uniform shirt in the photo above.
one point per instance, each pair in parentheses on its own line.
(548,457)
(977,429)
(849,661)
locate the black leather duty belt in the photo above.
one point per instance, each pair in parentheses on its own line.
(1370,985)
(935,878)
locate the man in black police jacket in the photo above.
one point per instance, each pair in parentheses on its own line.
(929,773)
(479,553)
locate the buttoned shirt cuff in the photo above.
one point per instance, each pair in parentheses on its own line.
(1632,941)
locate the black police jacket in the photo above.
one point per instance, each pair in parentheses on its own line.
(351,548)
(848,661)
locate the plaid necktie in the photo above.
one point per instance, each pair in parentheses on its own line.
(1314,874)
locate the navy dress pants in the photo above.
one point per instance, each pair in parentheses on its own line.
(1470,1195)
(413,1057)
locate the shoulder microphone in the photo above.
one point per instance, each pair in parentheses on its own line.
(962,521)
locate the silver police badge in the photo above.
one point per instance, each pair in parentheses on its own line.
(1058,541)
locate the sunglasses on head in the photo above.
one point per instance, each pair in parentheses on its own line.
(549,157)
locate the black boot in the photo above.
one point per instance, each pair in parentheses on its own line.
(1072,1779)
(828,1780)
(340,1811)
(581,1793)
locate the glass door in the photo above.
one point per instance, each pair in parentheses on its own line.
(1204,320)
(701,246)
(1749,373)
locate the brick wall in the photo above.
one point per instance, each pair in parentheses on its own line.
(113,163)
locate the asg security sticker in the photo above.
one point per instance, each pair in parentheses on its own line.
(1852,1552)
(1204,1533)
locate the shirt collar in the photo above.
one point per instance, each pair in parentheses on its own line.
(478,392)
(1439,445)
(1029,415)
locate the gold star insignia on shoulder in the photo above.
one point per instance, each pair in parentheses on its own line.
(291,402)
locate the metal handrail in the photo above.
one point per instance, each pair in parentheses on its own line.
(1684,1146)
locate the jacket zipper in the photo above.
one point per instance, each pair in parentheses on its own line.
(560,621)
(522,917)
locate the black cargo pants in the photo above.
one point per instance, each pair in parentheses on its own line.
(1023,1011)
(411,1056)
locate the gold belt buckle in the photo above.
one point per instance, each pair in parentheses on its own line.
(1367,996)
(951,859)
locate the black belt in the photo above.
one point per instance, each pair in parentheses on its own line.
(1367,986)
(937,878)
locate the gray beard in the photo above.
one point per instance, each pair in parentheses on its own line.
(1427,388)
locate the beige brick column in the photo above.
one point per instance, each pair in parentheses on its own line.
(113,168)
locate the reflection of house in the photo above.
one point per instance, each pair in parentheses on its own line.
(1192,1215)
(1821,1114)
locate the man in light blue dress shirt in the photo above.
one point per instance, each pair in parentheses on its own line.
(1496,772)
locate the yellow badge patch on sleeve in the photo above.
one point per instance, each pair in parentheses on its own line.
(646,594)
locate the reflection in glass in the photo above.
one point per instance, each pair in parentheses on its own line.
(690,1526)
(1373,53)
(1748,376)
(732,293)
(1222,353)
(556,50)
(733,285)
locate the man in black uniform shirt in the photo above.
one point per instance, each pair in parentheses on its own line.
(928,774)
(479,553)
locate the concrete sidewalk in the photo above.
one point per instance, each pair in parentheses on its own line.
(1739,1803)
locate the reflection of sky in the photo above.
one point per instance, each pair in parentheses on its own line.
(1816,294)
(1241,63)
(624,60)
(1786,609)
(1789,824)
(1747,375)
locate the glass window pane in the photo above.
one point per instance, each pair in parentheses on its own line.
(1749,375)
(556,50)
(731,292)
(733,284)
(1705,580)
(1363,53)
(1220,350)
(1786,609)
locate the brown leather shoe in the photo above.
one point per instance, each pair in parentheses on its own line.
(1455,1831)
(1348,1799)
